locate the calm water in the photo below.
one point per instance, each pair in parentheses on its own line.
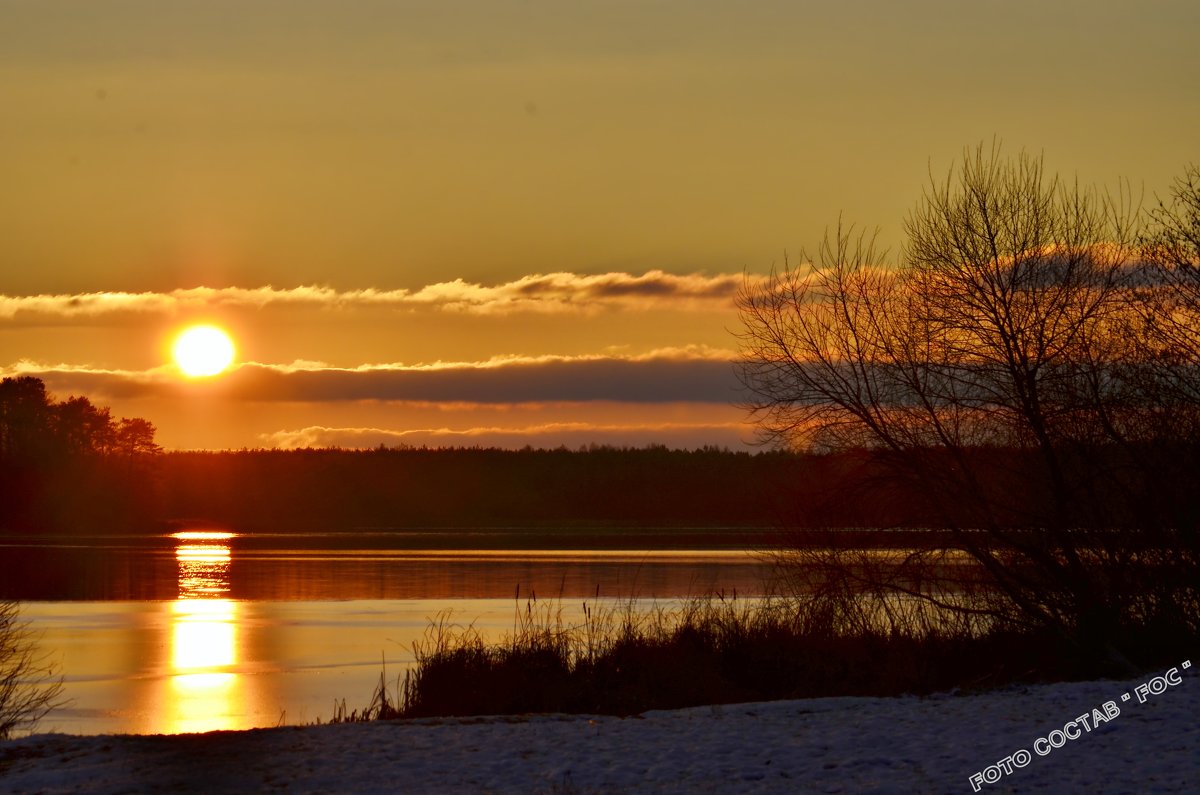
(202,631)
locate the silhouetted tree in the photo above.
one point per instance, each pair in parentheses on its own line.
(81,428)
(28,685)
(24,417)
(1171,247)
(992,370)
(135,437)
(59,461)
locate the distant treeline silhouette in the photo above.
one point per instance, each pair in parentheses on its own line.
(70,464)
(560,489)
(652,487)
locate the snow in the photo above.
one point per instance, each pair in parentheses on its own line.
(832,745)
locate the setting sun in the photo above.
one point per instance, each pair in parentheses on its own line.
(203,350)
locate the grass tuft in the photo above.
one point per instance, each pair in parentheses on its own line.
(624,658)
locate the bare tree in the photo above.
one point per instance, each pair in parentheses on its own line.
(1171,296)
(1173,241)
(991,368)
(29,688)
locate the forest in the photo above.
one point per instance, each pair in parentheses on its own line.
(70,467)
(70,464)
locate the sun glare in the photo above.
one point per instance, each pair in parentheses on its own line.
(202,351)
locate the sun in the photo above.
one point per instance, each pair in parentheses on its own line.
(203,351)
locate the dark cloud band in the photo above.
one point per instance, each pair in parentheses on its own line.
(652,380)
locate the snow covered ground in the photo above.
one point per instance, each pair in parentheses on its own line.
(852,745)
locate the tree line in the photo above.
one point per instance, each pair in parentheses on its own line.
(413,488)
(69,466)
(69,463)
(105,475)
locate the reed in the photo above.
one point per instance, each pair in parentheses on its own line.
(381,706)
(625,658)
(824,636)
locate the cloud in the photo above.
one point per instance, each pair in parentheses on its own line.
(555,379)
(100,382)
(666,376)
(551,435)
(552,292)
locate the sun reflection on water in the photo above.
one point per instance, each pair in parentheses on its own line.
(203,571)
(204,685)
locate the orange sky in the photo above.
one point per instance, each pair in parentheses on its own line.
(489,222)
(556,359)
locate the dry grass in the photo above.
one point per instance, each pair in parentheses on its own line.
(622,659)
(381,707)
(842,622)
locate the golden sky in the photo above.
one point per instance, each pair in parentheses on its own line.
(488,221)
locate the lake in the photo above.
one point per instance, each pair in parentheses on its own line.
(208,629)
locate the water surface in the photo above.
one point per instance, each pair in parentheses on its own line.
(211,630)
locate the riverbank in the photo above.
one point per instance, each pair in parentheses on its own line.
(883,745)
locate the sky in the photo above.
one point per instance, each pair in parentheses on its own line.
(491,222)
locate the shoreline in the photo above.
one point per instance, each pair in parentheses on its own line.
(905,744)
